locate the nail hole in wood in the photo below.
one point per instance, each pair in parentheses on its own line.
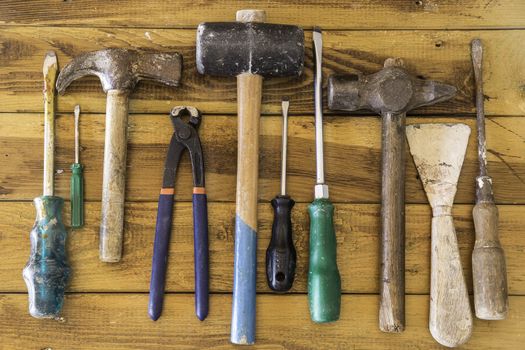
(439,43)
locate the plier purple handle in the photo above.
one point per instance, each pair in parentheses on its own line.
(184,137)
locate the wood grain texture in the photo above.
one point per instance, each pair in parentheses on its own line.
(120,321)
(352,158)
(332,14)
(357,228)
(440,55)
(249,91)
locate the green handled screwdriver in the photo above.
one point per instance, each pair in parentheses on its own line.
(77,180)
(324,281)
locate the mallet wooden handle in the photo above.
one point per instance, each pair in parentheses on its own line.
(450,315)
(488,265)
(249,93)
(114,177)
(392,286)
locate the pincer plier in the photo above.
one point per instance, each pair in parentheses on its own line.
(184,137)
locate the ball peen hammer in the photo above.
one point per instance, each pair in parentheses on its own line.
(391,92)
(119,71)
(249,50)
(489,272)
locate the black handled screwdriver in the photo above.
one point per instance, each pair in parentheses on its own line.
(280,255)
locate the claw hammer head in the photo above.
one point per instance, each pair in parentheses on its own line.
(121,69)
(391,90)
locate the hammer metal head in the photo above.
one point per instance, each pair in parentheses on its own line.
(230,49)
(121,69)
(391,90)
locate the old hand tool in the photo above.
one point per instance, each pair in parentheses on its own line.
(47,271)
(280,255)
(324,281)
(438,151)
(77,180)
(489,272)
(119,71)
(249,50)
(391,92)
(184,137)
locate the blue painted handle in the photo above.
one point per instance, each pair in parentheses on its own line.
(160,255)
(200,236)
(47,271)
(244,280)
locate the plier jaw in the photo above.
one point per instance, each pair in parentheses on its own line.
(185,136)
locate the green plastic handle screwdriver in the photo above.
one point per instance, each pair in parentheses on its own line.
(324,281)
(77,181)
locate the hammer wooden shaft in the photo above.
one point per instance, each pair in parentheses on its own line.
(249,93)
(392,286)
(114,177)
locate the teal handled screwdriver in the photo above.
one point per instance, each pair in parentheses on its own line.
(47,272)
(77,180)
(324,281)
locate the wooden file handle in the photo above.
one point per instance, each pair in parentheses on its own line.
(392,283)
(249,93)
(488,265)
(450,315)
(114,177)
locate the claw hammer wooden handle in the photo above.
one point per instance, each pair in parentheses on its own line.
(114,177)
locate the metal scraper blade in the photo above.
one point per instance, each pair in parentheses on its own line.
(438,151)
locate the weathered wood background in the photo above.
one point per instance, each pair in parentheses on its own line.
(106,306)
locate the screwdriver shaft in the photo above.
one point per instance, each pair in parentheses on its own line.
(77,141)
(285,105)
(318,97)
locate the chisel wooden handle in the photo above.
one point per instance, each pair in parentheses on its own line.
(450,315)
(324,281)
(114,177)
(488,262)
(249,92)
(47,271)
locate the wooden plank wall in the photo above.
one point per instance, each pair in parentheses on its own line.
(106,305)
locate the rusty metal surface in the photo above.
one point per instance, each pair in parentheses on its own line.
(392,89)
(122,69)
